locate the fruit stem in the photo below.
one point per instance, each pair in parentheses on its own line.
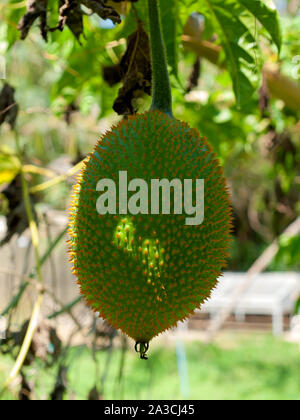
(162,97)
(142,348)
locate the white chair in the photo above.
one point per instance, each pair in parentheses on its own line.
(272,293)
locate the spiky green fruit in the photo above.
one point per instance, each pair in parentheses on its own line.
(144,273)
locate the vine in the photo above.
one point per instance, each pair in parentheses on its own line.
(162,98)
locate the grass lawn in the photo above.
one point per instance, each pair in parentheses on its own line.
(239,366)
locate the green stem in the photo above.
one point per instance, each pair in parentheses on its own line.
(29,212)
(162,97)
(38,303)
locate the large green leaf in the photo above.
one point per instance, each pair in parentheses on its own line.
(237,44)
(267,16)
(230,19)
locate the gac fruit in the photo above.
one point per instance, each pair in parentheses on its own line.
(145,272)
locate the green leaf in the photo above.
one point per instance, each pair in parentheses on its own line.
(237,43)
(230,19)
(9,165)
(186,8)
(11,13)
(297,306)
(267,16)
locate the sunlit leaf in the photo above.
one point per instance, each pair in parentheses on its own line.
(9,165)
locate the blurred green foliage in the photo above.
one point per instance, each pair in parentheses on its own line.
(246,367)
